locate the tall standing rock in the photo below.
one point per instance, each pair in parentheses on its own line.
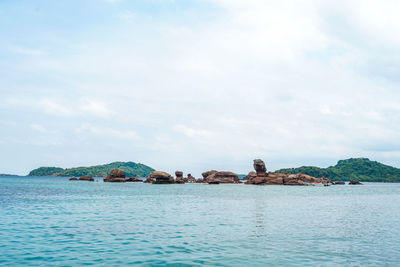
(259,167)
(179,177)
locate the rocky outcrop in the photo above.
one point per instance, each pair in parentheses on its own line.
(191,179)
(73,179)
(223,177)
(355,182)
(133,179)
(200,181)
(179,177)
(160,177)
(261,177)
(207,174)
(251,175)
(86,178)
(116,176)
(259,167)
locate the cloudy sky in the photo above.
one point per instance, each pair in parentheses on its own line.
(196,85)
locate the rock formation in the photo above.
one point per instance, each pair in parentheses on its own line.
(133,179)
(73,179)
(261,177)
(86,178)
(206,174)
(260,168)
(116,176)
(160,177)
(251,175)
(191,179)
(355,182)
(222,177)
(179,177)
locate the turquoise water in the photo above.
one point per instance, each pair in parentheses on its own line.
(53,221)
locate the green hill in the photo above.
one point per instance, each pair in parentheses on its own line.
(130,168)
(361,169)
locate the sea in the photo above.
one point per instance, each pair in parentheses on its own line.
(51,221)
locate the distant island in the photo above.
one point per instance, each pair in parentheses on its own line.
(4,174)
(361,169)
(130,168)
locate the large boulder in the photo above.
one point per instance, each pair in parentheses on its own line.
(116,176)
(259,167)
(355,182)
(223,177)
(179,177)
(73,179)
(133,179)
(160,177)
(251,175)
(86,178)
(207,174)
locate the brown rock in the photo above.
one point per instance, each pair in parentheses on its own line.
(251,175)
(86,178)
(117,173)
(162,177)
(223,177)
(259,167)
(179,177)
(73,179)
(133,179)
(191,179)
(116,176)
(206,174)
(355,182)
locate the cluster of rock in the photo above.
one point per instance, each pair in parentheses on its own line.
(261,177)
(257,177)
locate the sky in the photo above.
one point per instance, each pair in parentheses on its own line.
(194,85)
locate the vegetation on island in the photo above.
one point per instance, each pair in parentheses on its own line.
(361,169)
(131,169)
